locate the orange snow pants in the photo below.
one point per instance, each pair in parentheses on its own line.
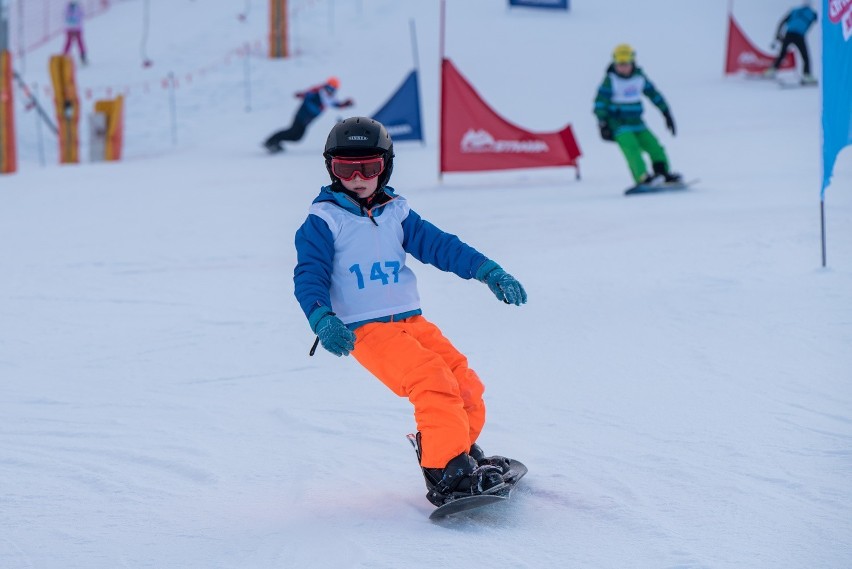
(415,360)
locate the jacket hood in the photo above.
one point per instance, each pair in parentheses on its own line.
(327,194)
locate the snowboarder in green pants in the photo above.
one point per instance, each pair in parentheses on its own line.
(618,107)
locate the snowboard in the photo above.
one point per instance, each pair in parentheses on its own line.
(661,187)
(794,84)
(517,470)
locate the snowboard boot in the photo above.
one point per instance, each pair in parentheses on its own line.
(477,454)
(660,169)
(808,80)
(461,477)
(650,180)
(273,147)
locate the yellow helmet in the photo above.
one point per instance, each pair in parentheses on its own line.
(623,53)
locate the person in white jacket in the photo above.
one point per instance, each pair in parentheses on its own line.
(356,288)
(74,29)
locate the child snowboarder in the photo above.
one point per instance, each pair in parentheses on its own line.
(792,30)
(314,101)
(360,297)
(618,107)
(74,29)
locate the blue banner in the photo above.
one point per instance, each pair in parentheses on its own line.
(555,4)
(401,114)
(836,83)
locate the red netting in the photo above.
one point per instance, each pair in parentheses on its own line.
(34,22)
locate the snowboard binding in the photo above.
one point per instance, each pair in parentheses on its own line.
(469,475)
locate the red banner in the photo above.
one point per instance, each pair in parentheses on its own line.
(743,56)
(475,138)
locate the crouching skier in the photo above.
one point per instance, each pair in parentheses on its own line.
(360,297)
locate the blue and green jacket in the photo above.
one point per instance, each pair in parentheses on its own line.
(619,100)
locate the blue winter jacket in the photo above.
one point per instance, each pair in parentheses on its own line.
(315,100)
(798,21)
(428,244)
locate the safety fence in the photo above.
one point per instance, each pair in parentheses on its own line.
(35,22)
(152,92)
(170,79)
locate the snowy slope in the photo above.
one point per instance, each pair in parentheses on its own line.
(679,383)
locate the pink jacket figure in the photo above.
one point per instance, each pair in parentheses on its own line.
(74,29)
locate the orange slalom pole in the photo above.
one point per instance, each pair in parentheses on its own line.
(278,28)
(114,111)
(67,107)
(8,149)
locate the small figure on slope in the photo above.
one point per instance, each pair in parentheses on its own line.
(792,30)
(618,107)
(360,297)
(74,29)
(314,101)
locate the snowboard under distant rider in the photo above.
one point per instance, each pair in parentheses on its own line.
(314,101)
(791,31)
(360,297)
(618,107)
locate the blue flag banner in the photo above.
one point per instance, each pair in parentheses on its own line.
(401,114)
(836,83)
(555,4)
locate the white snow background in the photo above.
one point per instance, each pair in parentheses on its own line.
(679,384)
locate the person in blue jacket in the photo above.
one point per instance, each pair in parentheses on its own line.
(360,297)
(791,31)
(314,101)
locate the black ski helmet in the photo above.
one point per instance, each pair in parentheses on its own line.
(360,136)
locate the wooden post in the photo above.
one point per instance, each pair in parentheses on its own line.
(278,29)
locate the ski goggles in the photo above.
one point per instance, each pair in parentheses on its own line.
(368,167)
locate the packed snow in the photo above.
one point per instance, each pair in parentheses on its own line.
(679,384)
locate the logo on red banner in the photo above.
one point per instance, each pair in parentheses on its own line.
(482,141)
(743,56)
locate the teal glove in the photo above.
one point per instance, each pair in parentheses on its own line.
(332,332)
(504,286)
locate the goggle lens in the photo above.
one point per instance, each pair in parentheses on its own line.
(367,167)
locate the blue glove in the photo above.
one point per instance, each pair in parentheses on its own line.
(332,332)
(504,286)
